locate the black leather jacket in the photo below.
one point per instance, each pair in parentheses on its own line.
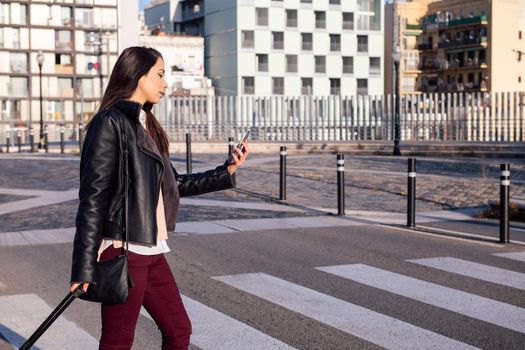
(101,208)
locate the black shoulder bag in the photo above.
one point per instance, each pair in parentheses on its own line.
(111,280)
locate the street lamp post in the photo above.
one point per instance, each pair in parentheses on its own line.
(40,61)
(396,57)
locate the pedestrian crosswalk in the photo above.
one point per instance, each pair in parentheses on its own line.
(217,330)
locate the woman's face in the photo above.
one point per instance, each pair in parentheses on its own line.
(152,86)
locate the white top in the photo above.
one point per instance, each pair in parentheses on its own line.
(161,246)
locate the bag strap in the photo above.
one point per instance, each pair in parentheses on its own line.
(126,189)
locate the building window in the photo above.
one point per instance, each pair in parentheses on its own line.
(5,13)
(320,19)
(23,14)
(84,17)
(16,38)
(278,40)
(63,40)
(320,64)
(262,62)
(66,16)
(335,86)
(278,86)
(19,86)
(348,21)
(291,18)
(2,37)
(247,39)
(335,42)
(348,65)
(306,41)
(291,63)
(519,34)
(362,86)
(18,62)
(375,65)
(307,86)
(362,43)
(261,16)
(248,85)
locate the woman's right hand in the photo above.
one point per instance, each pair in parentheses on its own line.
(74,286)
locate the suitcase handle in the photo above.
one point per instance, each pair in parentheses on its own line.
(52,317)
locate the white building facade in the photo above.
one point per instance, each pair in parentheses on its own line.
(292,47)
(184,63)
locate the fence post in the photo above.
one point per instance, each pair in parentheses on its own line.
(188,153)
(7,140)
(32,139)
(282,174)
(46,139)
(62,144)
(504,203)
(230,146)
(411,199)
(80,136)
(340,184)
(19,140)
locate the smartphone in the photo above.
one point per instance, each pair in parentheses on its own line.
(244,138)
(240,145)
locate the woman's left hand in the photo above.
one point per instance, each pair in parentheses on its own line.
(238,157)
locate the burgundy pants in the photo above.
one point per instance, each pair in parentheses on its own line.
(156,290)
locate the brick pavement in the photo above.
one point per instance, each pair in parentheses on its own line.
(372,183)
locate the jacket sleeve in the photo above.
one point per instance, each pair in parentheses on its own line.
(208,181)
(98,168)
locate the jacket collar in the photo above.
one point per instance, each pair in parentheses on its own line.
(130,108)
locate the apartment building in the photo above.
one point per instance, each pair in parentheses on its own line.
(292,47)
(184,61)
(457,45)
(78,42)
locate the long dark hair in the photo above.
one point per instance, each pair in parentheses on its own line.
(132,64)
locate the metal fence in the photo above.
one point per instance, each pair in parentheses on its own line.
(464,117)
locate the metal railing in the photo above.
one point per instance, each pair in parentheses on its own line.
(465,117)
(443,117)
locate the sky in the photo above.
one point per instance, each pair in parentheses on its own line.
(142,3)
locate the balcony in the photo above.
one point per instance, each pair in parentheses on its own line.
(414,27)
(424,47)
(433,65)
(63,69)
(481,41)
(469,21)
(468,64)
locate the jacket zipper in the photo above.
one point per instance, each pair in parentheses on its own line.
(153,155)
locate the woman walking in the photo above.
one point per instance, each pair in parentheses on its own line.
(136,84)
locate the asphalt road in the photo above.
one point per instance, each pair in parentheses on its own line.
(267,286)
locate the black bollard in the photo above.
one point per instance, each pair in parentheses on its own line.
(7,140)
(340,184)
(80,136)
(19,140)
(411,198)
(230,146)
(46,140)
(282,174)
(504,191)
(32,139)
(188,153)
(62,144)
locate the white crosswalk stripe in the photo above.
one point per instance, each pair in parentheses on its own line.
(519,256)
(479,271)
(369,325)
(20,316)
(213,330)
(471,305)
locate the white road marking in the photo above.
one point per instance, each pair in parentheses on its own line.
(519,256)
(213,330)
(369,325)
(20,316)
(479,271)
(471,305)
